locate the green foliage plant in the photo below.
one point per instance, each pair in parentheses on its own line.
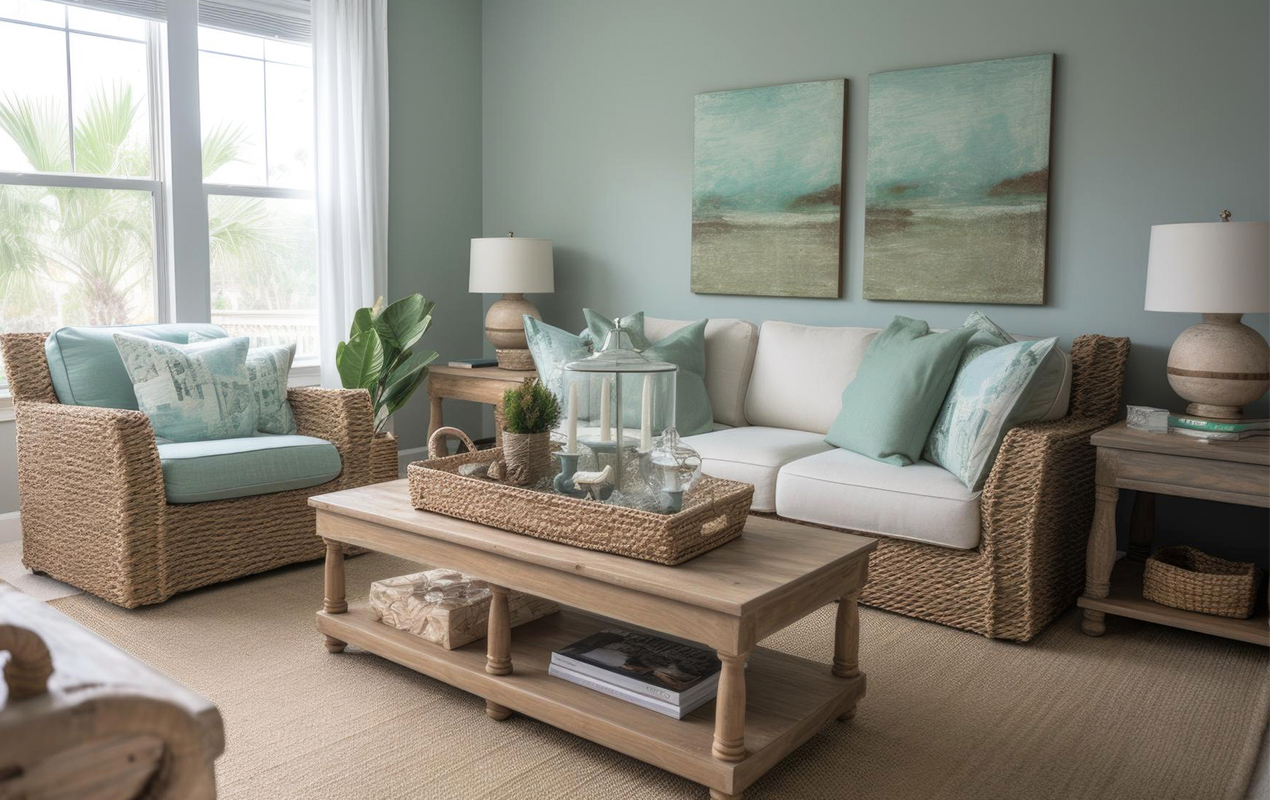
(379,355)
(530,408)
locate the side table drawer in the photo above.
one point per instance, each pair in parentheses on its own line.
(1206,479)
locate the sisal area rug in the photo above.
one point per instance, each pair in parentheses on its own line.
(1143,712)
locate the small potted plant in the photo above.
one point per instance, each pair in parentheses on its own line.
(379,357)
(530,412)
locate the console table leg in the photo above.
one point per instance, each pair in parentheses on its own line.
(498,659)
(729,717)
(1100,556)
(333,601)
(495,711)
(715,794)
(846,644)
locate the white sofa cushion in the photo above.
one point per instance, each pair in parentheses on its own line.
(800,372)
(730,346)
(754,455)
(920,502)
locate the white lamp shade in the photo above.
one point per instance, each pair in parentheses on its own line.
(1209,267)
(511,264)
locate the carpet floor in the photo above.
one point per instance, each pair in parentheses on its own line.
(1143,712)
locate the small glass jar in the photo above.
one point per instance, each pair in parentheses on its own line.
(671,469)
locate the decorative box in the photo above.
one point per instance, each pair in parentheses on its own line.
(446,607)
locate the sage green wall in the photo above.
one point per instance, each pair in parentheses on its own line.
(434,69)
(1161,114)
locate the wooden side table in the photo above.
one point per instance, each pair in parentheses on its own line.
(479,385)
(1172,464)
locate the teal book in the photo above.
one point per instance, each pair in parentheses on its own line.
(1218,426)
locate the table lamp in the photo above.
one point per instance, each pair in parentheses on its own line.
(513,266)
(1221,270)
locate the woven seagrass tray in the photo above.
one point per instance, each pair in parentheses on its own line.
(713,513)
(1186,578)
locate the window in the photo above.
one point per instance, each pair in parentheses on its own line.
(256,107)
(84,153)
(78,191)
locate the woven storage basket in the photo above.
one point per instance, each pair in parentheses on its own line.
(713,514)
(1185,578)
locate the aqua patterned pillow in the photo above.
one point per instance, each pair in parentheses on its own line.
(268,369)
(191,392)
(989,396)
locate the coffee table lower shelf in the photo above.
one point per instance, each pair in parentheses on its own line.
(788,699)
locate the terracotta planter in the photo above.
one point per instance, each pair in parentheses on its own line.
(383,458)
(527,456)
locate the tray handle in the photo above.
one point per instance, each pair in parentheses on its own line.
(29,667)
(438,438)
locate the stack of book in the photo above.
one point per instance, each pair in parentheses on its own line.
(1216,430)
(666,676)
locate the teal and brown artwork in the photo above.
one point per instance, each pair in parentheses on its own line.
(767,190)
(958,186)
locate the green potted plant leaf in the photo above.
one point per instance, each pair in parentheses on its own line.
(530,412)
(379,357)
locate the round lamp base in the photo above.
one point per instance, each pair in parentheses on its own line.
(1219,365)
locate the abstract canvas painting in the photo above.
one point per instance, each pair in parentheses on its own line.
(956,201)
(767,190)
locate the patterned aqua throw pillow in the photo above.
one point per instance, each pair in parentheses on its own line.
(994,390)
(191,392)
(268,369)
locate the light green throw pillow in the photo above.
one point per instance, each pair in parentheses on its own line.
(191,392)
(888,410)
(988,397)
(598,327)
(268,369)
(552,348)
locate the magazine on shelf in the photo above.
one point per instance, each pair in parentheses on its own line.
(676,673)
(622,693)
(1219,436)
(474,363)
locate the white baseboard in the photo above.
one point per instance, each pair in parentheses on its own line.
(10,527)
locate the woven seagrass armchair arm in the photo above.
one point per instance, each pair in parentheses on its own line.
(1038,500)
(343,417)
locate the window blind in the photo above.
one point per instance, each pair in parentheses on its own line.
(273,19)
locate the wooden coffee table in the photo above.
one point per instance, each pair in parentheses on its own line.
(728,599)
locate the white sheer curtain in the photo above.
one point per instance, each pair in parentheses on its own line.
(350,75)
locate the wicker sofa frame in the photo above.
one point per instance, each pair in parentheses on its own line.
(1035,512)
(92,504)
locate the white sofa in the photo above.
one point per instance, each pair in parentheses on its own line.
(774,393)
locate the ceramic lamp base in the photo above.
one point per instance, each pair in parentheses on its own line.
(1219,365)
(505,329)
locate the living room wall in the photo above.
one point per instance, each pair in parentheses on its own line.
(1161,114)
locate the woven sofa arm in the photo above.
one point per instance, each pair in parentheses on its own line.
(344,418)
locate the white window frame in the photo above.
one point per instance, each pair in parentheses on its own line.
(179,194)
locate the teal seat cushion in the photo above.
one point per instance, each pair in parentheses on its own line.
(195,472)
(889,409)
(87,370)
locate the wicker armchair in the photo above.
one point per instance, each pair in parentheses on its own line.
(1035,512)
(92,503)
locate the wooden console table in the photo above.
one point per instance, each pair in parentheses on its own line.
(479,385)
(729,598)
(1172,464)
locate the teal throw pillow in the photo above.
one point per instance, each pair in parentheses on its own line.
(269,369)
(598,327)
(551,349)
(888,410)
(191,392)
(991,394)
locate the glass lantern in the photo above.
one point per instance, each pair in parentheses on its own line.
(617,403)
(671,469)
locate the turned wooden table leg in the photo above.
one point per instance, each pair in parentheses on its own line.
(498,660)
(729,716)
(1100,557)
(498,424)
(1141,526)
(333,601)
(846,644)
(715,794)
(435,416)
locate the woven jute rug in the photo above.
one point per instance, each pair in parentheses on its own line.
(1143,712)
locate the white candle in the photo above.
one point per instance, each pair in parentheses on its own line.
(604,411)
(646,417)
(571,446)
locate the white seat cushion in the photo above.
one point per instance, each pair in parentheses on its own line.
(754,455)
(800,372)
(920,502)
(730,346)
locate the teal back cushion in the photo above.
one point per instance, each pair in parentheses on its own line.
(86,367)
(888,410)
